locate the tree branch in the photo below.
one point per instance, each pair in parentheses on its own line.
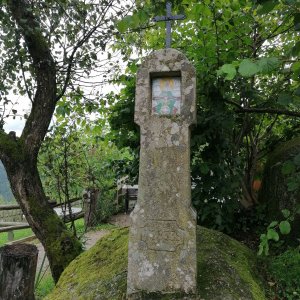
(269,111)
(45,75)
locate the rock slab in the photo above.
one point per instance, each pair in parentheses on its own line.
(227,270)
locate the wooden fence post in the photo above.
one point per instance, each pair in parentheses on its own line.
(90,207)
(17,271)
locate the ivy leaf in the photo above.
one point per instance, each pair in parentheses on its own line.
(229,70)
(285,227)
(272,235)
(268,64)
(248,68)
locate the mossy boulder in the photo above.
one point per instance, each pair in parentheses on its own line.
(226,270)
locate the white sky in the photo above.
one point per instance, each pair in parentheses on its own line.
(23,104)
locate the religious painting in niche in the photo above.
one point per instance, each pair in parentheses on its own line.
(166,96)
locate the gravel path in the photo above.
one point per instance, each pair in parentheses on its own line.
(89,239)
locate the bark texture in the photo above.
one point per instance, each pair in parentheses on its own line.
(19,155)
(274,192)
(17,271)
(91,208)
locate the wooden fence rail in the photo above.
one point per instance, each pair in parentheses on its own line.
(11,207)
(9,227)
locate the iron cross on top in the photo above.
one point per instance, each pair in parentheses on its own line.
(168,18)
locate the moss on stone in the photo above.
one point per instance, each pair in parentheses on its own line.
(226,270)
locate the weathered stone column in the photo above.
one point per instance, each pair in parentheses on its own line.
(162,242)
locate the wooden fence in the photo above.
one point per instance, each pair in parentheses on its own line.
(10,227)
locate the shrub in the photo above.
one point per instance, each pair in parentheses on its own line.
(285,271)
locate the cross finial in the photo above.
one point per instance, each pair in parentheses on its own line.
(168,18)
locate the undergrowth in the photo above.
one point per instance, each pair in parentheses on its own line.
(284,270)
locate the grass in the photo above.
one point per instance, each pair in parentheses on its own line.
(45,286)
(18,234)
(46,283)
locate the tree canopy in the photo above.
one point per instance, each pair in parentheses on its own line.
(246,55)
(48,48)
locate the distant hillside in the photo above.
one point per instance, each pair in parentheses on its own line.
(5,191)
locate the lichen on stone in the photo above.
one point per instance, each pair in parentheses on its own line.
(226,270)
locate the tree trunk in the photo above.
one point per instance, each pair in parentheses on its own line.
(19,155)
(17,271)
(60,244)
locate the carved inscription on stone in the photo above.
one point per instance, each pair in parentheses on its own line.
(162,235)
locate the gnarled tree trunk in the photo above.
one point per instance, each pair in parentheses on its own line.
(19,155)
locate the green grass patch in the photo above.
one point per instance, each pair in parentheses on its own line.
(18,234)
(106,226)
(45,286)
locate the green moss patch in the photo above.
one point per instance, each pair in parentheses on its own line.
(226,270)
(99,273)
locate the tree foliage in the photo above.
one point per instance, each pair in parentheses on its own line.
(246,55)
(49,49)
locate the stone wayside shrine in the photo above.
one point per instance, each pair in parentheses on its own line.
(162,241)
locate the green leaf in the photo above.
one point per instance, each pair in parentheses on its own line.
(93,55)
(292,185)
(272,235)
(248,68)
(297,21)
(297,92)
(296,66)
(266,7)
(285,99)
(288,168)
(273,224)
(268,64)
(124,24)
(219,220)
(229,70)
(296,49)
(260,250)
(204,169)
(296,159)
(286,213)
(285,227)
